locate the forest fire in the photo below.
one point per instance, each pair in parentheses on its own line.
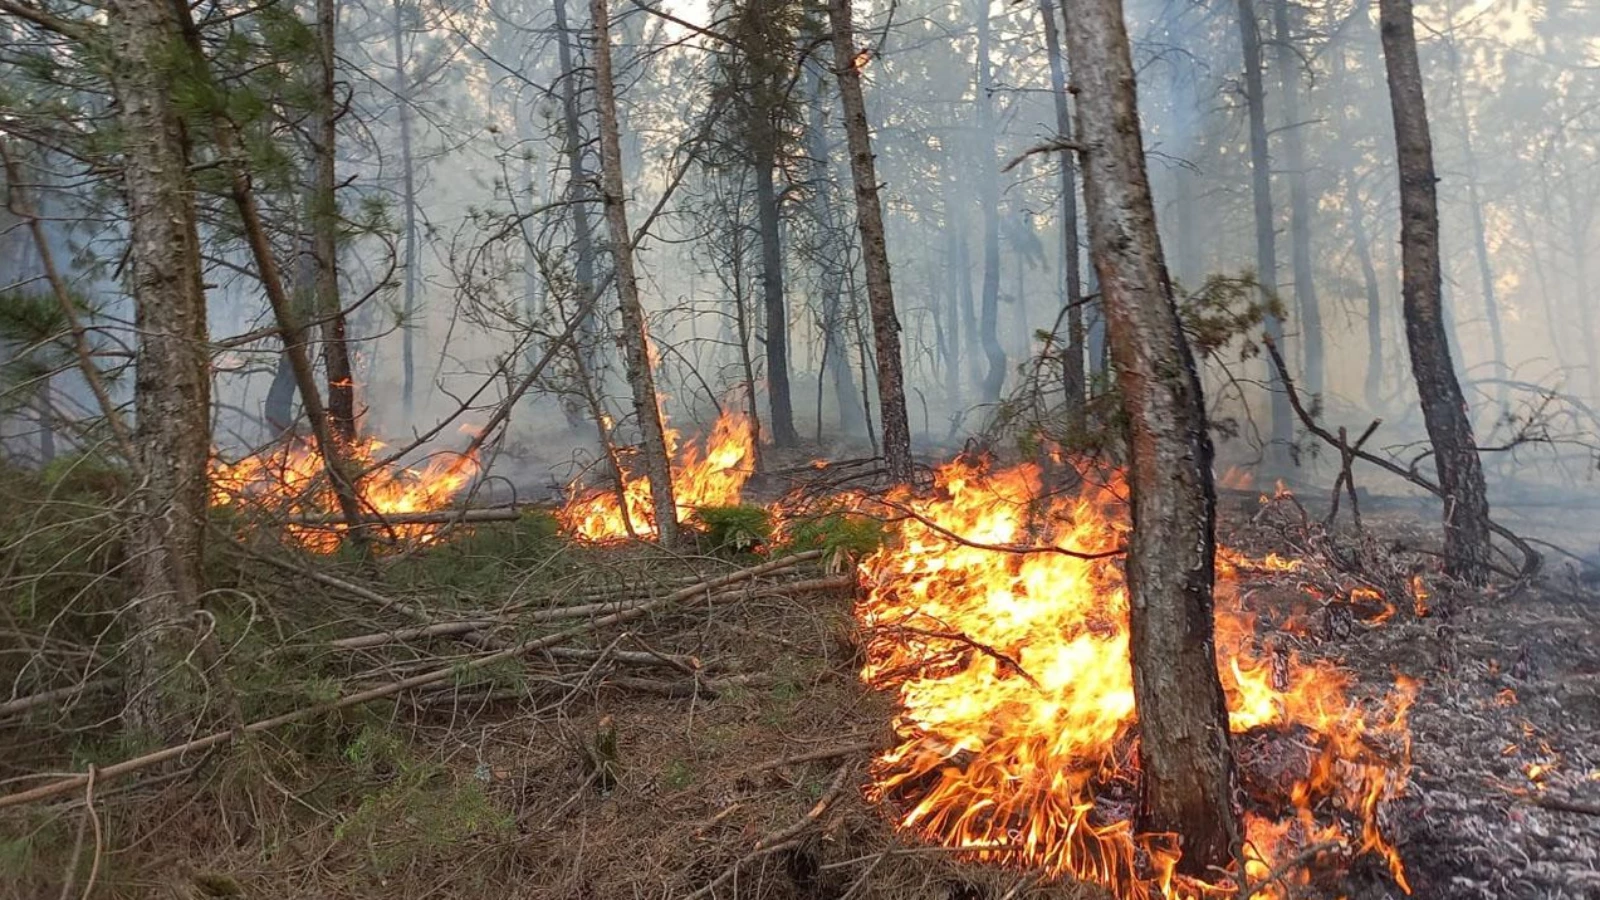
(712,476)
(290,481)
(1017,721)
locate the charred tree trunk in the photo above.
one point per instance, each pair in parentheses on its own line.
(325,237)
(1444,411)
(994,377)
(172,390)
(774,312)
(874,247)
(852,421)
(657,462)
(1184,749)
(1282,433)
(1072,370)
(408,214)
(1305,286)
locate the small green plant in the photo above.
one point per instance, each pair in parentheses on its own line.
(678,776)
(736,530)
(838,534)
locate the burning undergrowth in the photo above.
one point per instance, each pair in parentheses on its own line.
(999,620)
(997,617)
(705,473)
(289,480)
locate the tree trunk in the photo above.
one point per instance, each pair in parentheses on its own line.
(325,237)
(1444,411)
(1305,285)
(834,359)
(994,377)
(741,321)
(1369,280)
(874,246)
(577,181)
(1282,432)
(953,274)
(1358,231)
(1480,240)
(172,390)
(774,314)
(657,462)
(241,191)
(1184,750)
(1072,370)
(408,215)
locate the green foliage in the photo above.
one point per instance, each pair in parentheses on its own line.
(1225,309)
(735,530)
(838,534)
(421,810)
(62,544)
(84,475)
(37,328)
(483,555)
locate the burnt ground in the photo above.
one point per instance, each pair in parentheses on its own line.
(1504,800)
(571,781)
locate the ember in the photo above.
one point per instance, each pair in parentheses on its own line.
(290,480)
(1017,716)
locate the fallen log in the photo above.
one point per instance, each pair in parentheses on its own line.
(76,782)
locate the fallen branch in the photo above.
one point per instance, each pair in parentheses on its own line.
(812,756)
(780,840)
(74,782)
(432,517)
(1531,559)
(45,698)
(1563,804)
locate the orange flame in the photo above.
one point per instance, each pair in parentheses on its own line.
(1017,716)
(714,477)
(290,480)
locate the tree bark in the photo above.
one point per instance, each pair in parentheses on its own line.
(1480,239)
(1184,748)
(172,388)
(1305,285)
(994,377)
(774,311)
(852,421)
(1444,411)
(236,164)
(408,215)
(657,462)
(325,236)
(577,180)
(1282,428)
(874,246)
(1072,370)
(1358,231)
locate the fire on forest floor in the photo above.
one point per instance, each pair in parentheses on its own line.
(749,776)
(488,788)
(288,481)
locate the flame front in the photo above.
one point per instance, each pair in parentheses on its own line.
(1017,719)
(713,477)
(290,480)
